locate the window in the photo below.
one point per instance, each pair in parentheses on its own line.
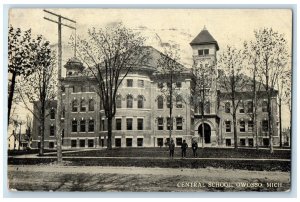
(52,113)
(129,124)
(227,107)
(90,143)
(118,142)
(169,124)
(119,101)
(264,106)
(266,141)
(129,101)
(242,109)
(82,143)
(82,125)
(73,143)
(160,142)
(63,112)
(141,83)
(178,141)
(168,101)
(207,107)
(118,124)
(83,106)
(140,123)
(160,102)
(228,142)
(201,108)
(91,125)
(250,107)
(128,142)
(52,130)
(84,89)
(129,83)
(179,123)
(265,125)
(200,52)
(140,101)
(76,89)
(250,126)
(178,84)
(179,101)
(103,125)
(74,106)
(169,84)
(242,126)
(74,125)
(228,126)
(102,142)
(250,142)
(242,142)
(203,52)
(140,142)
(91,105)
(51,145)
(160,123)
(160,85)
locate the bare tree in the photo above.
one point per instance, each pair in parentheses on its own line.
(110,54)
(252,55)
(169,70)
(20,59)
(39,88)
(273,52)
(232,81)
(202,72)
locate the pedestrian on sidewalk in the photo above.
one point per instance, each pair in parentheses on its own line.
(184,146)
(195,147)
(171,148)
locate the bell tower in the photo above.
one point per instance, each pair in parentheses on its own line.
(205,49)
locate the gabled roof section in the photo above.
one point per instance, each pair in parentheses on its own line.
(204,37)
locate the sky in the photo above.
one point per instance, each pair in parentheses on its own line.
(158,26)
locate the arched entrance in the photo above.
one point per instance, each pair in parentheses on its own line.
(207,133)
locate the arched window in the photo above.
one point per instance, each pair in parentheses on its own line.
(82,125)
(52,113)
(168,101)
(74,125)
(227,107)
(264,106)
(179,101)
(91,105)
(83,106)
(74,106)
(129,101)
(91,125)
(140,101)
(160,102)
(207,107)
(119,101)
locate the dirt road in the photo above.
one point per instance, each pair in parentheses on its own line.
(96,178)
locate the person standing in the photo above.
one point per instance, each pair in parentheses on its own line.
(184,146)
(194,147)
(171,148)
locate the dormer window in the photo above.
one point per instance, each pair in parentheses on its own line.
(203,52)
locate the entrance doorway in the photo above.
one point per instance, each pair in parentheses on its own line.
(207,133)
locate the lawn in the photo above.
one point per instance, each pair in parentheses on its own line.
(202,153)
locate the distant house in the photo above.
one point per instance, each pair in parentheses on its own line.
(142,118)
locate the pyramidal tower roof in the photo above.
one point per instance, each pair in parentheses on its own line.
(204,37)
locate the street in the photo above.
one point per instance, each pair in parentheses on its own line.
(136,179)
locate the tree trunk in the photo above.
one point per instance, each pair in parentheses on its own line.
(280,124)
(42,129)
(11,94)
(234,130)
(109,132)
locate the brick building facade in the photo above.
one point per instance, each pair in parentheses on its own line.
(142,117)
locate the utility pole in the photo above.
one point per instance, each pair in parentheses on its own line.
(59,96)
